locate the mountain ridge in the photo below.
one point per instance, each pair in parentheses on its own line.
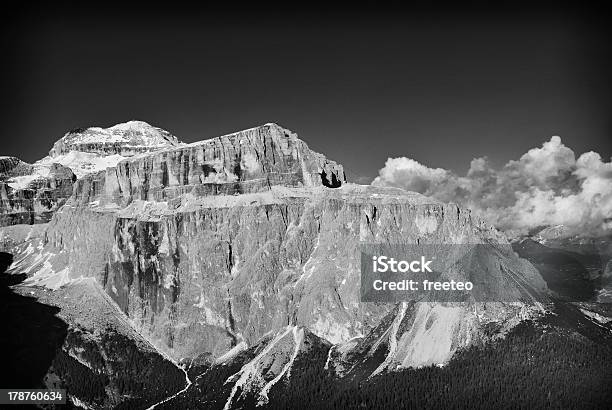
(216,246)
(151,218)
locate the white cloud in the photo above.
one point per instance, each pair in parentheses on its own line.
(410,174)
(545,186)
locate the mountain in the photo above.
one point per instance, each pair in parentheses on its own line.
(125,139)
(237,258)
(32,193)
(576,267)
(75,338)
(89,150)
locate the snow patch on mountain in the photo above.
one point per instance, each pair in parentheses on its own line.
(94,149)
(131,137)
(83,163)
(38,171)
(22,181)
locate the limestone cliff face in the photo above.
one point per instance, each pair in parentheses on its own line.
(247,161)
(206,277)
(212,246)
(31,193)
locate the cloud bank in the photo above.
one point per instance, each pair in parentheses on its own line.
(546,186)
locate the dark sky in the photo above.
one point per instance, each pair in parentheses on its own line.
(439,86)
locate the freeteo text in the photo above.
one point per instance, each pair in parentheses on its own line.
(382,264)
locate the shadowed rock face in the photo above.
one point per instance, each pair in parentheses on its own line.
(13,167)
(30,193)
(212,246)
(33,332)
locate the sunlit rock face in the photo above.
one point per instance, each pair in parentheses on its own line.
(216,245)
(126,139)
(247,161)
(204,277)
(32,193)
(90,150)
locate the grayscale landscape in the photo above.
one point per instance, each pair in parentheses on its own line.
(224,207)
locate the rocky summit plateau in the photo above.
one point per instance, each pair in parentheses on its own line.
(235,262)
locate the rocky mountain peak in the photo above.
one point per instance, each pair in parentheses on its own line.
(247,161)
(212,247)
(126,139)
